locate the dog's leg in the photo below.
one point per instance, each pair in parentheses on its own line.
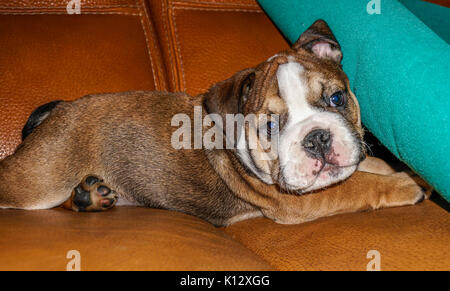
(25,185)
(40,174)
(31,182)
(362,191)
(91,195)
(46,169)
(375,166)
(29,179)
(378,166)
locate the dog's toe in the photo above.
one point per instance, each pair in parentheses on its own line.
(91,180)
(103,190)
(421,198)
(107,203)
(81,198)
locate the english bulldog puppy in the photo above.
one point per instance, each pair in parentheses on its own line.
(87,154)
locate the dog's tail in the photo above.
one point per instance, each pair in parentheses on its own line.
(37,117)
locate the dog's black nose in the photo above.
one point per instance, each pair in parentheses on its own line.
(317,143)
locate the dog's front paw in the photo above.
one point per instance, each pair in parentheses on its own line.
(416,179)
(92,195)
(403,191)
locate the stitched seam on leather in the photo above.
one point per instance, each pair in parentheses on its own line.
(173,15)
(162,76)
(218,9)
(147,43)
(217,3)
(65,13)
(178,48)
(63,7)
(169,47)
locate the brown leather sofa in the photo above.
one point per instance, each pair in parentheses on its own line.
(173,45)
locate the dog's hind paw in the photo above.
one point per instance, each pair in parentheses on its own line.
(91,195)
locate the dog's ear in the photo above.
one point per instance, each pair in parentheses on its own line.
(231,95)
(320,40)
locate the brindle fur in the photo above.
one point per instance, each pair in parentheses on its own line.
(125,138)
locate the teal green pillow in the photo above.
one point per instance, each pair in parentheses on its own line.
(398,63)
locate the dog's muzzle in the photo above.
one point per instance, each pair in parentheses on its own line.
(317,143)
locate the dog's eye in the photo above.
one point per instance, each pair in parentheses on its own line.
(272,128)
(337,99)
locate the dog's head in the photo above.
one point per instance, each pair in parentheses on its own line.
(308,107)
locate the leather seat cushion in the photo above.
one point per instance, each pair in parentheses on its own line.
(408,238)
(125,238)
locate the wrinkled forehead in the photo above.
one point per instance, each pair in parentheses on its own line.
(295,84)
(307,74)
(312,66)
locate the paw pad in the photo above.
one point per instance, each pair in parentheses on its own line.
(92,194)
(103,190)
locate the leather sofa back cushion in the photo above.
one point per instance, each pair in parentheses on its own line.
(46,54)
(121,45)
(206,41)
